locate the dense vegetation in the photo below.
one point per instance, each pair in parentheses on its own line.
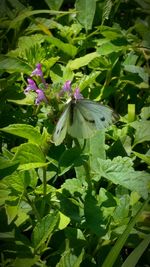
(83,202)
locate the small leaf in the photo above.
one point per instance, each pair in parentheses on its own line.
(85,12)
(64,221)
(145,158)
(82,61)
(142,131)
(24,130)
(69,259)
(44,229)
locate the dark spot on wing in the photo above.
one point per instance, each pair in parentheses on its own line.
(59,130)
(102,119)
(90,121)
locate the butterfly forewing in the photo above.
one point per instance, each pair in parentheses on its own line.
(98,115)
(79,127)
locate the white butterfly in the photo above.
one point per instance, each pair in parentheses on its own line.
(81,119)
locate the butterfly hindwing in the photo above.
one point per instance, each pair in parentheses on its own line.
(79,127)
(61,127)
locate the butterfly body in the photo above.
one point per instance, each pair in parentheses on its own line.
(82,118)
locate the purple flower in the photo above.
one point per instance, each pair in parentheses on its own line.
(31,86)
(37,71)
(67,86)
(77,95)
(40,97)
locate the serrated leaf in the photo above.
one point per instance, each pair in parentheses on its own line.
(44,229)
(24,130)
(29,153)
(120,171)
(12,65)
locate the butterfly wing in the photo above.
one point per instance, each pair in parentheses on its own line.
(61,127)
(78,126)
(88,117)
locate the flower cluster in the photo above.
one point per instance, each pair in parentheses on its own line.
(67,88)
(33,87)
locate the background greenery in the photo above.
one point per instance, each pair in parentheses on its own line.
(75,205)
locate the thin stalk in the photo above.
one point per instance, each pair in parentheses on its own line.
(44,182)
(34,209)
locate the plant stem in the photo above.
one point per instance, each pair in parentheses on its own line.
(44,182)
(31,203)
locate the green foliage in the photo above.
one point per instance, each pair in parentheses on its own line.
(84,202)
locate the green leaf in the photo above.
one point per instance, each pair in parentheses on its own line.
(19,262)
(54,4)
(85,12)
(142,131)
(106,10)
(7,167)
(135,255)
(120,171)
(82,61)
(108,48)
(24,130)
(68,159)
(29,153)
(44,229)
(145,113)
(69,49)
(69,259)
(11,211)
(64,221)
(94,216)
(12,65)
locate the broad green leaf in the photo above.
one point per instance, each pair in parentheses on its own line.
(29,153)
(85,12)
(88,80)
(74,186)
(64,221)
(82,61)
(108,48)
(67,48)
(70,259)
(142,131)
(44,229)
(25,43)
(115,251)
(24,130)
(19,262)
(120,171)
(12,65)
(135,255)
